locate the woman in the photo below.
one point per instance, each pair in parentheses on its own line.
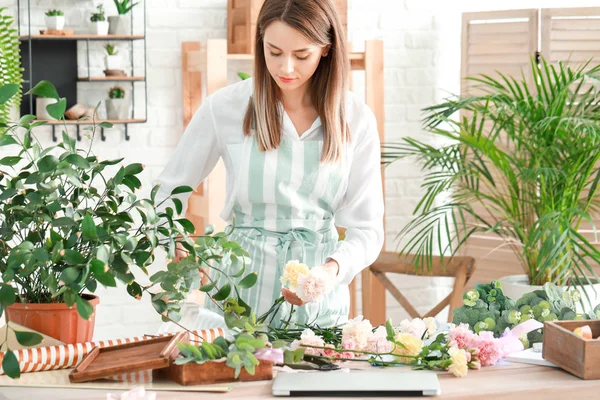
(302,156)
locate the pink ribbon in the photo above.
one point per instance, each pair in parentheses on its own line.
(267,354)
(510,338)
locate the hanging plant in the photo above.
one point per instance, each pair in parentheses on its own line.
(11,71)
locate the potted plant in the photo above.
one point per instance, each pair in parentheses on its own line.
(99,22)
(112,58)
(522,162)
(67,225)
(117,107)
(55,19)
(121,24)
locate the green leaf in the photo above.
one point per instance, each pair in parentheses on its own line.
(7,194)
(181,189)
(63,221)
(7,295)
(44,89)
(178,206)
(57,110)
(28,339)
(105,125)
(188,226)
(78,161)
(248,281)
(47,163)
(223,293)
(243,76)
(207,288)
(73,257)
(111,162)
(70,275)
(7,92)
(133,169)
(134,290)
(84,308)
(10,365)
(89,228)
(10,161)
(6,140)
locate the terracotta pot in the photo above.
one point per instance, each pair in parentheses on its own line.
(55,320)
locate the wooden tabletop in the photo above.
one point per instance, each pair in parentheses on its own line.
(510,381)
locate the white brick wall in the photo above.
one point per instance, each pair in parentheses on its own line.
(422,64)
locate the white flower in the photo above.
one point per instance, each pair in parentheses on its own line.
(377,341)
(459,360)
(357,330)
(416,327)
(311,288)
(431,326)
(309,338)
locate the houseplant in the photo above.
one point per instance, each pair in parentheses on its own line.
(99,22)
(11,71)
(522,163)
(112,58)
(67,225)
(121,24)
(55,19)
(117,106)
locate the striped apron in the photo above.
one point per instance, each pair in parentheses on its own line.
(283,207)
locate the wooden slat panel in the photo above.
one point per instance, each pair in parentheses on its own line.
(575,35)
(493,43)
(576,24)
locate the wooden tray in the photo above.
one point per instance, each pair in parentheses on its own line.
(125,358)
(212,372)
(579,356)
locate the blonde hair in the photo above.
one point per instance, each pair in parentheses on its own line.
(319,22)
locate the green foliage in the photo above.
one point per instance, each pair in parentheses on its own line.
(124,6)
(11,71)
(239,352)
(492,311)
(522,162)
(111,49)
(54,13)
(243,76)
(99,15)
(116,92)
(69,221)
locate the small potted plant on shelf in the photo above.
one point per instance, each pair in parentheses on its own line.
(121,24)
(117,107)
(99,22)
(112,59)
(55,20)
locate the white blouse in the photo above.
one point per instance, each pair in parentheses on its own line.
(216,129)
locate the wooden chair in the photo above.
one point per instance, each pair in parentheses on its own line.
(459,267)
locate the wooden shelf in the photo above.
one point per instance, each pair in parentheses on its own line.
(240,56)
(83,37)
(111,78)
(90,122)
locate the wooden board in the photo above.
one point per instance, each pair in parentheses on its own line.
(126,358)
(579,356)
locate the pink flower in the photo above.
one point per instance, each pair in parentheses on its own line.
(267,354)
(309,338)
(311,288)
(461,336)
(377,342)
(490,348)
(358,331)
(416,327)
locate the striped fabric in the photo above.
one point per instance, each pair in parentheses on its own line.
(284,210)
(70,355)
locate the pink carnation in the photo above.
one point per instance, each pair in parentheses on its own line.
(462,337)
(309,338)
(490,348)
(311,288)
(377,342)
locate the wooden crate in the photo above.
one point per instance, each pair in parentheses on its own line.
(242,16)
(212,372)
(579,356)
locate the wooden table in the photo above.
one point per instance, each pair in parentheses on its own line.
(511,381)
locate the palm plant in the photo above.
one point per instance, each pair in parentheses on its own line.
(521,162)
(124,6)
